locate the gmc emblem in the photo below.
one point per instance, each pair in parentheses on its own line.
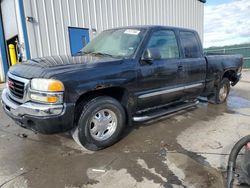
(10,84)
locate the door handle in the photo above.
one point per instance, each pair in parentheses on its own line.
(180,68)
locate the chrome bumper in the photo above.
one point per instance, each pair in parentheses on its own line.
(29,108)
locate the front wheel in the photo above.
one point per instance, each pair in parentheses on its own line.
(221,92)
(101,123)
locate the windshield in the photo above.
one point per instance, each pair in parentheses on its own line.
(117,43)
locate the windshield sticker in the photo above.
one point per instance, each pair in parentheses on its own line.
(132,32)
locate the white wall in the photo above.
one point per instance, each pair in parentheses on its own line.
(48,34)
(9,26)
(20,29)
(9,18)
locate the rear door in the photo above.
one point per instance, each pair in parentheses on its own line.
(193,64)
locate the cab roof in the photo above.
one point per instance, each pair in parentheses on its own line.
(150,27)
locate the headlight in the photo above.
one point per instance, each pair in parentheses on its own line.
(50,85)
(46,90)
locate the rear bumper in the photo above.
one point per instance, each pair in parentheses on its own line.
(41,118)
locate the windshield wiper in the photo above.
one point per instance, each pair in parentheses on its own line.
(102,54)
(81,53)
(98,54)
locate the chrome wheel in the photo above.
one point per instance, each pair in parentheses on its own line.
(223,92)
(103,124)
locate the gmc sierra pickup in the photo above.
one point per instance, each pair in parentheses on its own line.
(123,75)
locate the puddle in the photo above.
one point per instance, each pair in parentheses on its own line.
(193,174)
(216,137)
(235,102)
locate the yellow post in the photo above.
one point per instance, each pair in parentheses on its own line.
(12,51)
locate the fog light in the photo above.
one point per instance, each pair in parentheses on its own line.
(52,99)
(46,99)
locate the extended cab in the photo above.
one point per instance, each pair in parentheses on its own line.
(123,75)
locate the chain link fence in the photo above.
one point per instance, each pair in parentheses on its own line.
(245,51)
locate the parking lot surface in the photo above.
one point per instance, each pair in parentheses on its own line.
(187,149)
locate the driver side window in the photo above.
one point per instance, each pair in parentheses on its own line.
(165,42)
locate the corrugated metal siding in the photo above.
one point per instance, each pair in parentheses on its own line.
(48,34)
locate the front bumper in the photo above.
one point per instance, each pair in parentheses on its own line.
(42,118)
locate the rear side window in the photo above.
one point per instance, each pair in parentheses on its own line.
(190,44)
(165,42)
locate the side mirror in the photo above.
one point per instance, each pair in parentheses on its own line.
(151,54)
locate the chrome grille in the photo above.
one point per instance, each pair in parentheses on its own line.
(16,88)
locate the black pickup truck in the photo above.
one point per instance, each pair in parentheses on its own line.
(123,75)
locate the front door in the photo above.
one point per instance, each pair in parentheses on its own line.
(162,81)
(78,38)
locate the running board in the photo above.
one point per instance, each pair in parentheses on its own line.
(162,111)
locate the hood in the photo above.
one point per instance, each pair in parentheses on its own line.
(47,67)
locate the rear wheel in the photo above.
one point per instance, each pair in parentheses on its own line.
(101,123)
(222,92)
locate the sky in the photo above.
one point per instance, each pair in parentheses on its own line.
(226,22)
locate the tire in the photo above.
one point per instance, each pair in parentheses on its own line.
(100,124)
(221,92)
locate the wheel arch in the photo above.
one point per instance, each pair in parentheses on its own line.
(119,93)
(230,74)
